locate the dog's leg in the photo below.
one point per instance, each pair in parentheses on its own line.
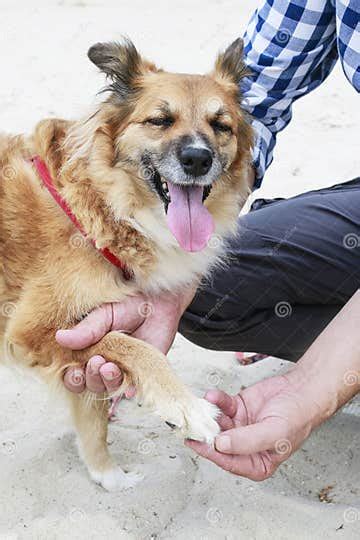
(90,416)
(113,407)
(157,386)
(143,366)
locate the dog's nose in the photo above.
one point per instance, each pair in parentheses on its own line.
(195,161)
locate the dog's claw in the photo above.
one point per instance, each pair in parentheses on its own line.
(172,426)
(112,409)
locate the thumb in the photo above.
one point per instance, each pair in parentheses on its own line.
(251,439)
(89,331)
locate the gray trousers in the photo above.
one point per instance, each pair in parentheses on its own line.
(292,266)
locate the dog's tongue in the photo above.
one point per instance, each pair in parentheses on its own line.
(188,219)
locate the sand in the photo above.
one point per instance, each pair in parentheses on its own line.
(45,492)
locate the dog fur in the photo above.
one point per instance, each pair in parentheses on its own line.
(51,277)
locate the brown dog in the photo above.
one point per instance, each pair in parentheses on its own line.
(148,178)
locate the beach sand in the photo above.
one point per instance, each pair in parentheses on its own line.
(45,493)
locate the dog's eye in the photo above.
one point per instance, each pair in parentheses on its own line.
(219,126)
(163,121)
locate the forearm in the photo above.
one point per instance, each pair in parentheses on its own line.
(329,372)
(272,52)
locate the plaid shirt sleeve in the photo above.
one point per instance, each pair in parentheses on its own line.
(290,48)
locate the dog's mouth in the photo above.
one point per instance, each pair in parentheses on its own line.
(162,189)
(188,219)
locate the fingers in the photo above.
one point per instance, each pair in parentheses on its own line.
(242,450)
(225,422)
(227,404)
(111,376)
(100,376)
(89,331)
(255,467)
(125,316)
(94,381)
(250,439)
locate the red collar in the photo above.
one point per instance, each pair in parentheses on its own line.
(45,176)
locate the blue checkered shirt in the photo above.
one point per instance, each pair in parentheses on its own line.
(291,47)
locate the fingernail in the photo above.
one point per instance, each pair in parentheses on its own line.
(109,375)
(223,443)
(94,365)
(97,361)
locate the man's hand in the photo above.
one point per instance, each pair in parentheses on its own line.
(261,427)
(154,320)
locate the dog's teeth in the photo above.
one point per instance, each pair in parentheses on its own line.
(164,185)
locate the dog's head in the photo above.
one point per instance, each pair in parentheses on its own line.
(183,137)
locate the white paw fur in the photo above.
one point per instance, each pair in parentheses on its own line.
(195,419)
(116,479)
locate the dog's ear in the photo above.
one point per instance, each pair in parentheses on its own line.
(230,65)
(122,63)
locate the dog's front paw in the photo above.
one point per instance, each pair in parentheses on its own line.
(201,424)
(196,420)
(116,479)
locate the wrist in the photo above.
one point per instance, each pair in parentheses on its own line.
(319,400)
(328,374)
(173,304)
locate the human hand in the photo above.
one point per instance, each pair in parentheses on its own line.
(154,320)
(266,423)
(261,427)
